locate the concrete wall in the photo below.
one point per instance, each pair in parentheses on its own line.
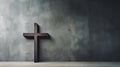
(80,30)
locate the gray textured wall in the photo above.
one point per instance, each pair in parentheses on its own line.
(81,30)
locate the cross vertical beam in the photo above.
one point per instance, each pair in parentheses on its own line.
(36,43)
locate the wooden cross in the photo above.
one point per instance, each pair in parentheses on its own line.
(36,36)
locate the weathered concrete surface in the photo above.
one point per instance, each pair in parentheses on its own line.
(60,64)
(81,30)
